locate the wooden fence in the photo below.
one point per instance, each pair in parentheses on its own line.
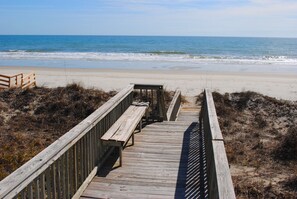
(154,94)
(63,169)
(28,81)
(174,106)
(19,80)
(218,174)
(11,81)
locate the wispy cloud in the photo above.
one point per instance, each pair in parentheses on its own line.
(153,17)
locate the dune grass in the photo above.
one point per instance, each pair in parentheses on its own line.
(260,136)
(33,119)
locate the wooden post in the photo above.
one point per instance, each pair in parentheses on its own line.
(120,155)
(22,80)
(9,82)
(174,106)
(140,125)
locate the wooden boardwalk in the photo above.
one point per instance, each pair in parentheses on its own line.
(167,161)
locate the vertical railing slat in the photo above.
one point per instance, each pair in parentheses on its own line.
(67,169)
(76,172)
(54,183)
(60,173)
(63,175)
(86,160)
(42,185)
(30,191)
(36,188)
(24,194)
(59,183)
(48,183)
(81,168)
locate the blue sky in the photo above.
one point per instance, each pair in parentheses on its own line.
(272,18)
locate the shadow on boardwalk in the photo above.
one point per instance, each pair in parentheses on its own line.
(191,181)
(167,161)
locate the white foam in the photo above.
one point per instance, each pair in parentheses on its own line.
(98,56)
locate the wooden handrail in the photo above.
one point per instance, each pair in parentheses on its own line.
(20,74)
(28,81)
(68,163)
(11,76)
(4,81)
(5,76)
(29,75)
(174,106)
(18,80)
(154,94)
(218,173)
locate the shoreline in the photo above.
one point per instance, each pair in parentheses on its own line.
(191,83)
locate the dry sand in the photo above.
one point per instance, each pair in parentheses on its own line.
(191,83)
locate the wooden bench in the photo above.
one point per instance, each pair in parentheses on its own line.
(123,129)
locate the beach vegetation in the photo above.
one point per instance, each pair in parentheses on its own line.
(260,136)
(32,119)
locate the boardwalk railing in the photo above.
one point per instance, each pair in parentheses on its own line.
(218,174)
(4,81)
(19,80)
(11,81)
(64,168)
(174,106)
(154,94)
(28,80)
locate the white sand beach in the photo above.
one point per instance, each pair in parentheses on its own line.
(191,83)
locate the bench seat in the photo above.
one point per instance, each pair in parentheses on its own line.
(123,129)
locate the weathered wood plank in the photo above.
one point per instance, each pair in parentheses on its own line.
(5,76)
(174,106)
(143,178)
(113,129)
(223,174)
(122,124)
(155,164)
(216,133)
(48,183)
(85,183)
(3,84)
(23,176)
(42,186)
(148,86)
(130,123)
(125,131)
(133,188)
(5,80)
(105,194)
(219,177)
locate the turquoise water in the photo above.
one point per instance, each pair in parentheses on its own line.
(146,52)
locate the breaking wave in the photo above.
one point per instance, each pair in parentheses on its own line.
(166,56)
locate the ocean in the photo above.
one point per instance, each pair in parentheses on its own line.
(151,52)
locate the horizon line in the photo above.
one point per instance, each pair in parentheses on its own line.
(123,35)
